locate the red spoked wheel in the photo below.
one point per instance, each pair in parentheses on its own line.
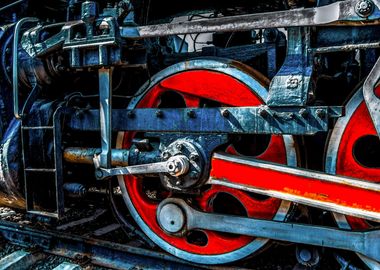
(202,83)
(354,150)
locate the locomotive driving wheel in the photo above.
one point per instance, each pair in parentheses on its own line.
(205,83)
(353,150)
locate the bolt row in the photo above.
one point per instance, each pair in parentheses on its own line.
(304,113)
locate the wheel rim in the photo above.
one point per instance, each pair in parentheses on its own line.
(199,81)
(343,156)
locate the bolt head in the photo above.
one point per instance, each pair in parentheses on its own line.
(130,114)
(292,83)
(320,113)
(263,112)
(166,155)
(304,113)
(194,157)
(364,8)
(159,114)
(179,146)
(191,114)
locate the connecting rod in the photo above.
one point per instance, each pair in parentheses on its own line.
(175,216)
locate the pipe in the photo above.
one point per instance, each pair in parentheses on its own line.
(119,157)
(85,155)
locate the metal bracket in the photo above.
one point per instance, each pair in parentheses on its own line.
(18,27)
(370,97)
(290,86)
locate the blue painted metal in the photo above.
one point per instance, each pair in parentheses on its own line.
(105,116)
(242,120)
(290,86)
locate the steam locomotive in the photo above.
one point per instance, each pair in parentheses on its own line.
(213,124)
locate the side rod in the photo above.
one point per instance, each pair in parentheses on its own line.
(366,243)
(331,192)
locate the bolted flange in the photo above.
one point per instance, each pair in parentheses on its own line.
(185,165)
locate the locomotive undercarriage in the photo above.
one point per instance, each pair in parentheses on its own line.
(212,158)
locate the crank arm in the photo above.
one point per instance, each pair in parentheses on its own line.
(175,166)
(175,216)
(331,192)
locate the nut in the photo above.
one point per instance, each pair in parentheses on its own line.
(364,8)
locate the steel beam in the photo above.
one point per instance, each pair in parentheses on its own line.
(236,120)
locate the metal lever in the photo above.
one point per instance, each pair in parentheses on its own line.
(175,166)
(175,216)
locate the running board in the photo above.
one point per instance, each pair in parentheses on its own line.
(340,194)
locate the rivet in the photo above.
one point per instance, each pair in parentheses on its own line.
(304,113)
(191,114)
(179,146)
(194,157)
(263,113)
(166,155)
(130,114)
(225,113)
(159,114)
(320,113)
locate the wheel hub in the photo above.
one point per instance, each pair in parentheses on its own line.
(187,172)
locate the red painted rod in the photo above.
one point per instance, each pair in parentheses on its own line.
(336,193)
